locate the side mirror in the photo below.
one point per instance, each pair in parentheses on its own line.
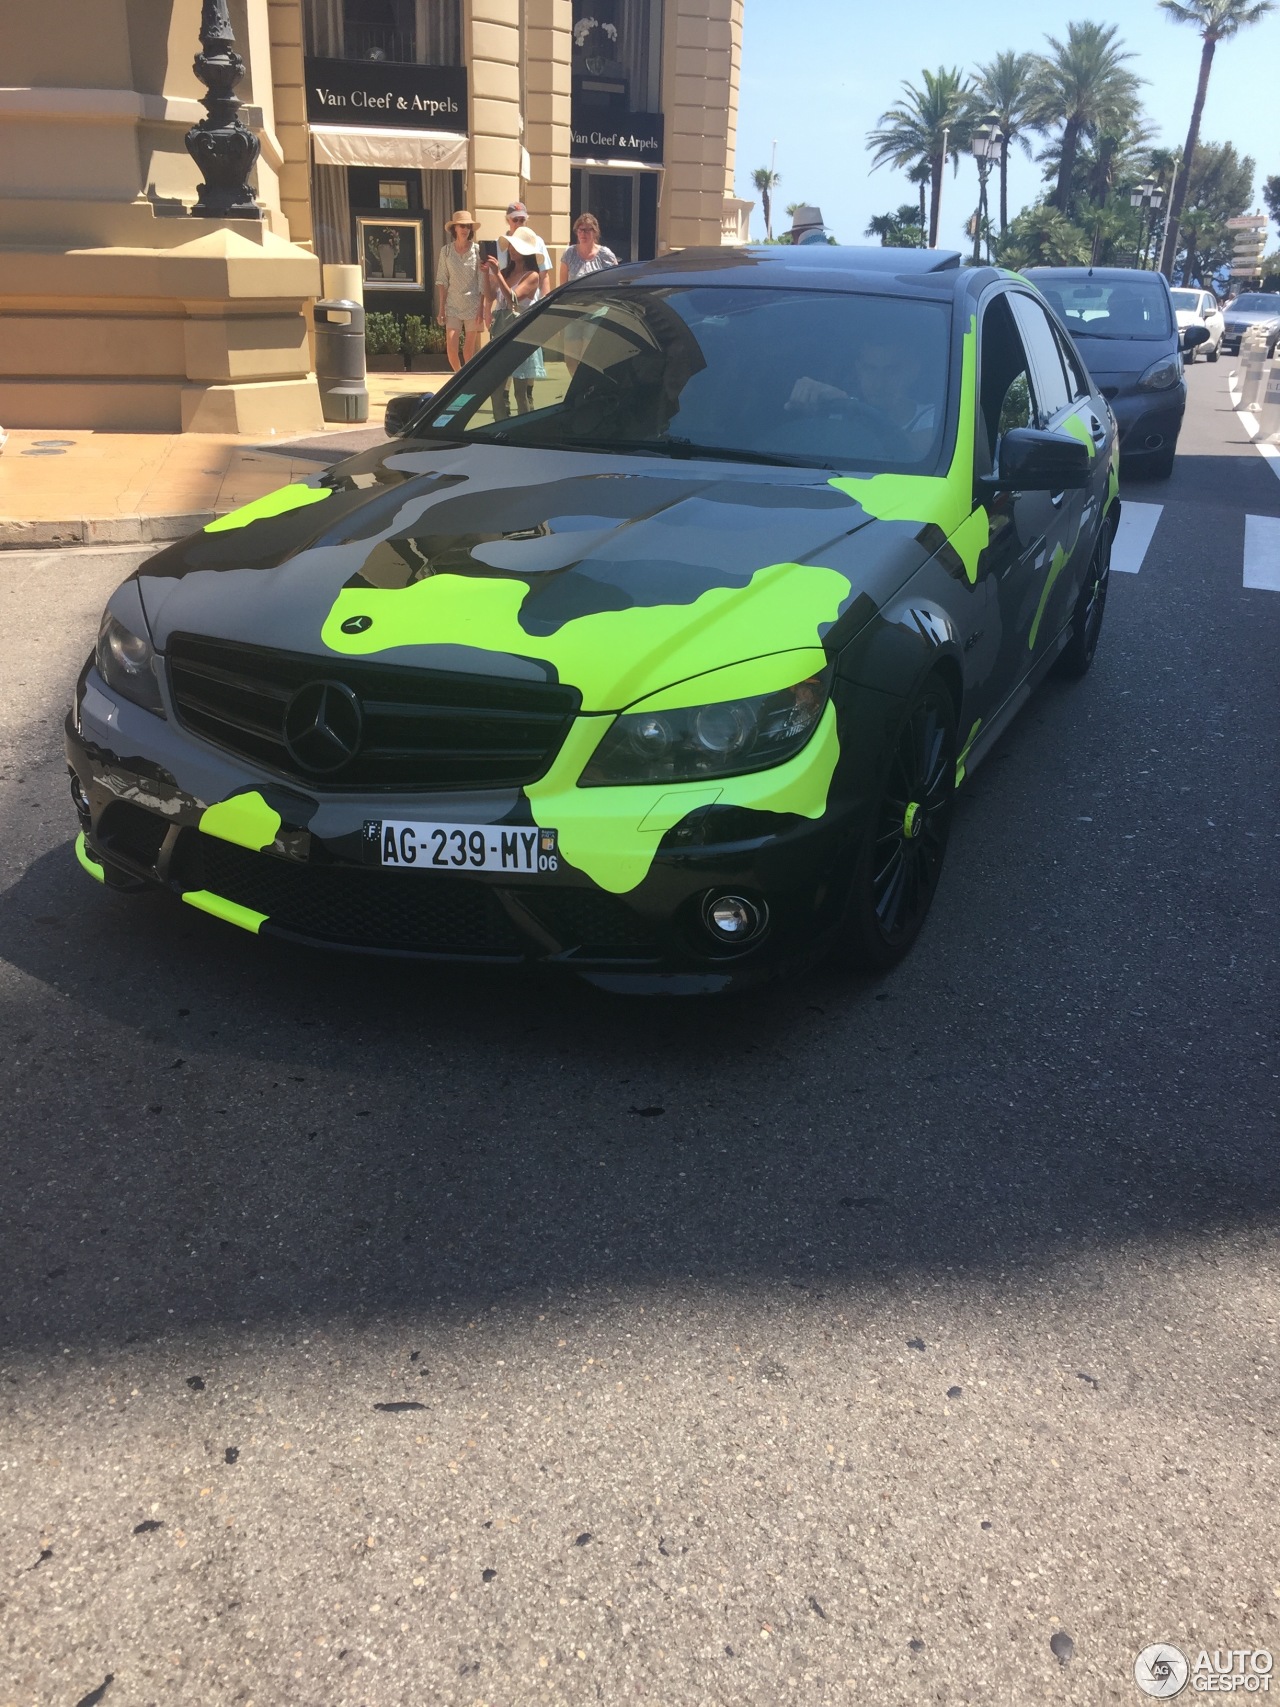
(1194,336)
(401,409)
(1032,461)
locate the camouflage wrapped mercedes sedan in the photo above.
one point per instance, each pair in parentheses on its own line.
(654,646)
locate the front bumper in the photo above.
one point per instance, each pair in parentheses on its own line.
(1149,424)
(319,883)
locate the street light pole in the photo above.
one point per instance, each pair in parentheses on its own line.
(223,148)
(986,143)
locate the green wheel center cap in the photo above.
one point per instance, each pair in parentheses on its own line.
(912,821)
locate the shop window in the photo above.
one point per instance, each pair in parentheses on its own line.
(393,193)
(414,32)
(617,54)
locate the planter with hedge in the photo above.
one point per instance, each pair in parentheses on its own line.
(424,345)
(383,343)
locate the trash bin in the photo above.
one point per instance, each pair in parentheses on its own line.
(340,360)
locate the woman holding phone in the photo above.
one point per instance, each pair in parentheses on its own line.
(517,291)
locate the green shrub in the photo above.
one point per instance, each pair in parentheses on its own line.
(382,334)
(417,335)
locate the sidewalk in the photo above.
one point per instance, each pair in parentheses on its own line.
(76,487)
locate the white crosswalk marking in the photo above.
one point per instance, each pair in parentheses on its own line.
(1262,552)
(1133,536)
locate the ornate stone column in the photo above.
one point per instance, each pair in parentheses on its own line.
(223,148)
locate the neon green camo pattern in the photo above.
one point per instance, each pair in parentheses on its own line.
(613,833)
(87,860)
(230,911)
(964,752)
(611,657)
(244,819)
(945,500)
(273,504)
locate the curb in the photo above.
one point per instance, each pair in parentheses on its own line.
(99,530)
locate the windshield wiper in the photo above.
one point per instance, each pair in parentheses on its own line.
(685,449)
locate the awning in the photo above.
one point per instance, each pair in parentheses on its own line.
(616,165)
(430,150)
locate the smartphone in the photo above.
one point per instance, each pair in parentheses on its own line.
(488,249)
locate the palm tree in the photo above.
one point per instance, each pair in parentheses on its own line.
(1006,87)
(1216,20)
(919,175)
(766,181)
(929,125)
(1083,86)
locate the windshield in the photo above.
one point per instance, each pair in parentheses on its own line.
(1263,303)
(804,378)
(1107,308)
(1186,299)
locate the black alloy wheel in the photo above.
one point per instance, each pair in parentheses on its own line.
(901,859)
(1091,604)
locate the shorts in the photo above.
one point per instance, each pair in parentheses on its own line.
(461,323)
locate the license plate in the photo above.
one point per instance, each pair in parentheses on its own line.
(463,847)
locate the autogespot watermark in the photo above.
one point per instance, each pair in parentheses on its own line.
(1165,1671)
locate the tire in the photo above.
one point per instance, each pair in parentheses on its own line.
(1091,604)
(899,864)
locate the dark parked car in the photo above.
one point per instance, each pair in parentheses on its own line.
(667,675)
(1124,326)
(1254,308)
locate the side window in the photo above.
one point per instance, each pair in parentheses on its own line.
(1077,379)
(1004,384)
(1053,393)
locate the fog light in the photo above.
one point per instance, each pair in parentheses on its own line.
(79,798)
(730,918)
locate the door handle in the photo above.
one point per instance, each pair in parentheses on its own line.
(1055,498)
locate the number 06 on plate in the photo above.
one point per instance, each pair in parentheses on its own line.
(463,847)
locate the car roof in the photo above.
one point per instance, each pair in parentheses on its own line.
(809,266)
(1106,275)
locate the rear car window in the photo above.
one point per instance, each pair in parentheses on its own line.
(1107,308)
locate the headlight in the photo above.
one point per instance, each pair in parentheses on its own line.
(697,741)
(1162,374)
(125,662)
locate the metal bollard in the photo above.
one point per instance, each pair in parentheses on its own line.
(340,360)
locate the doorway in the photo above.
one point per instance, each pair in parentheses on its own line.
(625,203)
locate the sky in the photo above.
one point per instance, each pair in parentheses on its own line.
(817,74)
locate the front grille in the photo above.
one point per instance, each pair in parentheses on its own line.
(422,728)
(593,923)
(389,910)
(131,833)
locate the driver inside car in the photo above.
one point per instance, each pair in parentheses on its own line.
(884,377)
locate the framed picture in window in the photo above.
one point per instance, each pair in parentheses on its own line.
(390,252)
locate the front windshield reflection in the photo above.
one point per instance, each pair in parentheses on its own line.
(804,378)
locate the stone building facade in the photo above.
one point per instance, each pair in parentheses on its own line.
(119,309)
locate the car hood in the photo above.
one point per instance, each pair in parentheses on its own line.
(1121,362)
(618,574)
(1188,317)
(1251,316)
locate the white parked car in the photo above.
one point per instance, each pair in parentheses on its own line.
(1199,308)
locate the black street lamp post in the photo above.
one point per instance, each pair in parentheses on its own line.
(985,145)
(223,148)
(1150,198)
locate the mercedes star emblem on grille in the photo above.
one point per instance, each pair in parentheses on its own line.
(322,726)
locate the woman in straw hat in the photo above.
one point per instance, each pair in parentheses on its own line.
(460,289)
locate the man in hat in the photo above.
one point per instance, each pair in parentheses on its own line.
(517,220)
(462,292)
(807,226)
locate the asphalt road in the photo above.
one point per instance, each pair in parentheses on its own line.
(375,1336)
